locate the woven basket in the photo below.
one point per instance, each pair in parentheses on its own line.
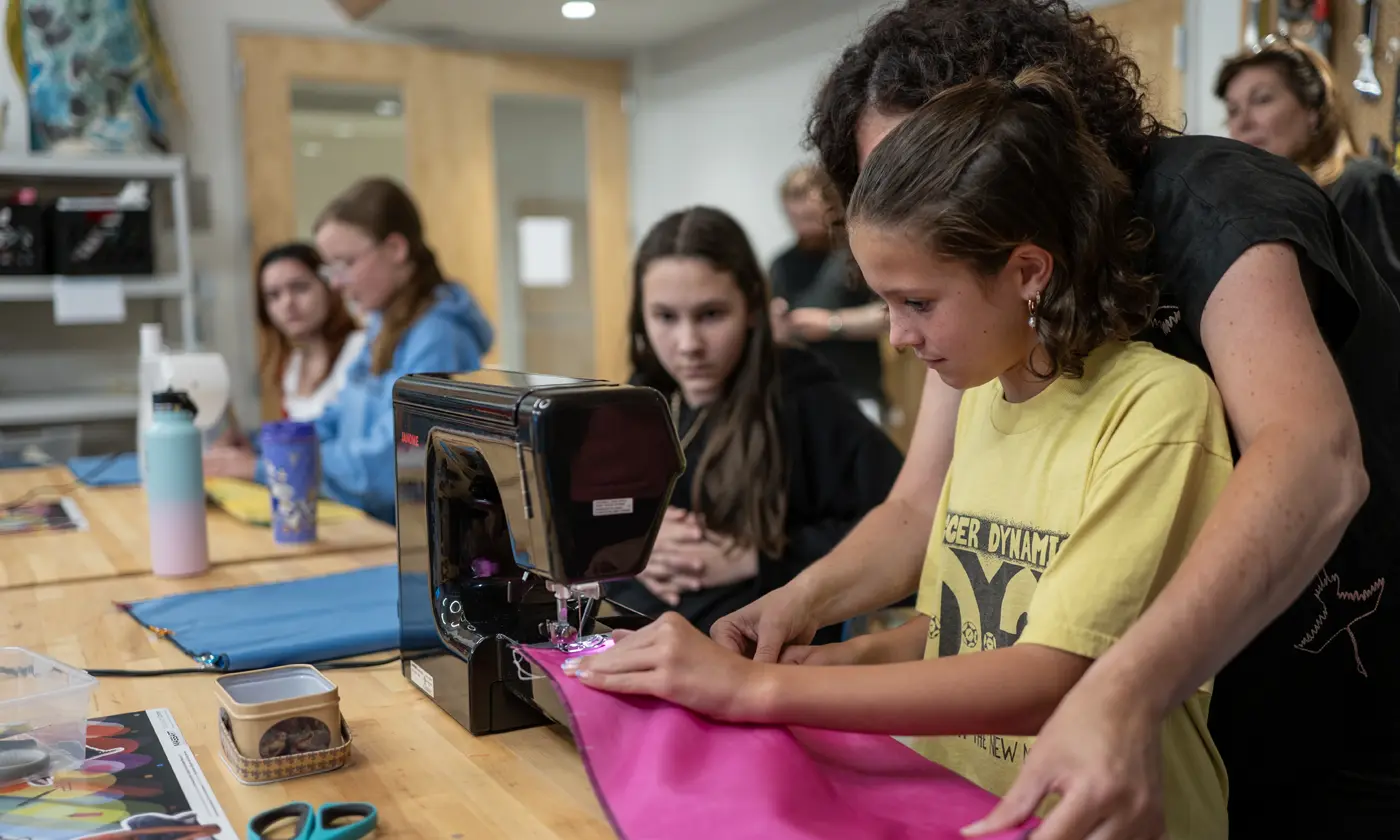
(262,771)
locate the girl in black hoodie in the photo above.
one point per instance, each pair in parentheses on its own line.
(780,462)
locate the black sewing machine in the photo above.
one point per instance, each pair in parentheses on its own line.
(518,495)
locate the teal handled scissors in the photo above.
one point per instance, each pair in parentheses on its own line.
(335,821)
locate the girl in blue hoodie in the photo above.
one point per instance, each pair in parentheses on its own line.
(371,237)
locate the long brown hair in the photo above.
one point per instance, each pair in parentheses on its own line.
(1310,78)
(335,330)
(921,47)
(990,165)
(739,486)
(381,208)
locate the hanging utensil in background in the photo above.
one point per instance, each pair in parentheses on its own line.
(1395,115)
(1306,21)
(1251,25)
(1366,82)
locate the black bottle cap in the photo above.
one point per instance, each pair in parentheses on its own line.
(175,399)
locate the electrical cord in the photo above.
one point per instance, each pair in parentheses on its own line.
(43,489)
(340,664)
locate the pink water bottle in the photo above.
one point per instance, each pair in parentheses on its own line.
(175,488)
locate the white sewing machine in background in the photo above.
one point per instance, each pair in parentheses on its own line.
(204,376)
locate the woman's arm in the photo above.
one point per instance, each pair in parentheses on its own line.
(1297,484)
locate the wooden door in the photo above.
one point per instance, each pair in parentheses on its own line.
(446,154)
(1148,29)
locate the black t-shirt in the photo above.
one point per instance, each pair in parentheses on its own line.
(1368,196)
(840,465)
(1306,717)
(802,281)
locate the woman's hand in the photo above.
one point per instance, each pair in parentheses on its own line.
(230,462)
(672,660)
(687,558)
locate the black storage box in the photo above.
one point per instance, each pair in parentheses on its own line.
(24,239)
(92,239)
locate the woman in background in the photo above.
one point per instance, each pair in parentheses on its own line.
(1283,98)
(780,462)
(311,337)
(371,237)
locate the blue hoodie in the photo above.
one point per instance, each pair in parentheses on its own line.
(357,428)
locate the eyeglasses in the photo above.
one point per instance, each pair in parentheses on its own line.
(330,270)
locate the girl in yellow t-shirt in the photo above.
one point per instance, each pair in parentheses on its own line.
(1001,237)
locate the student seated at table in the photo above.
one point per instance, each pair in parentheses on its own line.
(371,237)
(780,461)
(310,336)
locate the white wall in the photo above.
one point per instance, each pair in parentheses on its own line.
(541,155)
(719,117)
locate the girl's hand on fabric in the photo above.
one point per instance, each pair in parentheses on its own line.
(672,660)
(230,462)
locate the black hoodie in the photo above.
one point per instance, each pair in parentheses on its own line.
(840,465)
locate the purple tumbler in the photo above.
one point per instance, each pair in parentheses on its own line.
(292,456)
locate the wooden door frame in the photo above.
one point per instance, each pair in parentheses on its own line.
(447,96)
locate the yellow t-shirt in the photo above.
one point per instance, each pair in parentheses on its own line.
(1060,520)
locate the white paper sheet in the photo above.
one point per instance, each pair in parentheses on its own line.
(88,300)
(546,251)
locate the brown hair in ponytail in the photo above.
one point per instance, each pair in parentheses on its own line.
(989,165)
(381,208)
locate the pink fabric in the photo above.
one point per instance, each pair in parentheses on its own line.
(663,772)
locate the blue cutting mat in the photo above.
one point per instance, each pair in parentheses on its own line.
(300,621)
(95,471)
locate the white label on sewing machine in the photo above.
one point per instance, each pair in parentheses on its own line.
(611,507)
(421,678)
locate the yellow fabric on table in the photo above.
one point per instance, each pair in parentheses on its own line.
(250,502)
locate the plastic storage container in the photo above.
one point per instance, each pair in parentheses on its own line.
(45,701)
(40,447)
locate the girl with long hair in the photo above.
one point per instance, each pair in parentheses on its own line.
(780,462)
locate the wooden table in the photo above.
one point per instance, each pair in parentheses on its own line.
(117,542)
(427,776)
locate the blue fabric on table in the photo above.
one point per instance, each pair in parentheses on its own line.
(92,470)
(293,622)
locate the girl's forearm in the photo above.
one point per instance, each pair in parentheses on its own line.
(1011,691)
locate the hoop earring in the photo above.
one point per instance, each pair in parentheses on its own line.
(1031,305)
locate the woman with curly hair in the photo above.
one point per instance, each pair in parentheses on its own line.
(1283,99)
(1259,284)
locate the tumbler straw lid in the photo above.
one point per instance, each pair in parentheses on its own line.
(174,400)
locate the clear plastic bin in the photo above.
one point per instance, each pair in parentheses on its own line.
(46,701)
(40,447)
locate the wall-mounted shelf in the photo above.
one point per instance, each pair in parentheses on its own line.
(45,409)
(28,403)
(17,288)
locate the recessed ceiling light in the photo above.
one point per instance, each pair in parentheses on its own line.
(387,108)
(578,10)
(312,149)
